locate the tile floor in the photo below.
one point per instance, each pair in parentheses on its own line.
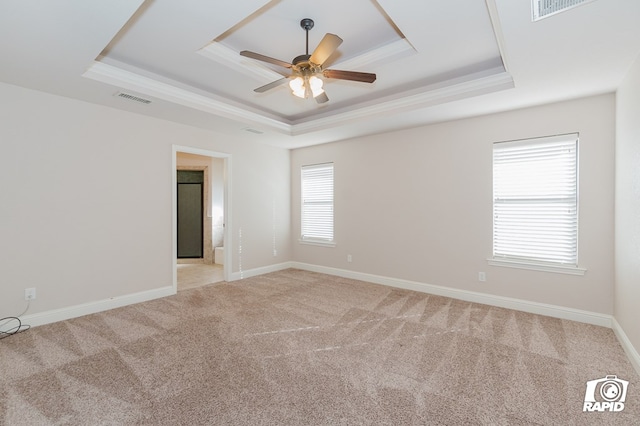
(198,274)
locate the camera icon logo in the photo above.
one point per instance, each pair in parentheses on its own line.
(606,394)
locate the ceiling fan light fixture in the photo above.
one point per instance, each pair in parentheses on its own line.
(304,82)
(303,86)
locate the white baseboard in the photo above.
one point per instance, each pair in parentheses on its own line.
(469,296)
(234,276)
(631,352)
(62,314)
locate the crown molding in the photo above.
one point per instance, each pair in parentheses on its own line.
(218,52)
(447,91)
(121,78)
(393,51)
(451,90)
(492,8)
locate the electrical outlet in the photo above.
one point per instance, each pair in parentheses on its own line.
(482,276)
(29,293)
(349,258)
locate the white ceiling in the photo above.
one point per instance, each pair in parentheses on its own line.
(434,60)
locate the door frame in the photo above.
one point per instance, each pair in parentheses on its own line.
(228,242)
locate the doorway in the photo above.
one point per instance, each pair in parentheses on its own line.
(201,216)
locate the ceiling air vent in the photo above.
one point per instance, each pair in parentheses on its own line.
(132,98)
(250,130)
(545,8)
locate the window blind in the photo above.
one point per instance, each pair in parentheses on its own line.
(317,202)
(535,199)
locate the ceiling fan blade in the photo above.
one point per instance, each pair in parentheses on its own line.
(271,85)
(263,58)
(322,98)
(363,77)
(327,46)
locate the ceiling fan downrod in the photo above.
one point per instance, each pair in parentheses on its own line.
(306,25)
(302,61)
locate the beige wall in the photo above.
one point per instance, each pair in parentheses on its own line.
(627,206)
(86,200)
(417,204)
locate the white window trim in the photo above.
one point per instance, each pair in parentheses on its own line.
(312,242)
(537,266)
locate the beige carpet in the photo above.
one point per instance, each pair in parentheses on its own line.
(300,348)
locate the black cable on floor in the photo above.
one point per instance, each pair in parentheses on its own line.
(17,329)
(13,330)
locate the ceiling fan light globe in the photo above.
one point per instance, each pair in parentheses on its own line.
(296,83)
(297,87)
(315,84)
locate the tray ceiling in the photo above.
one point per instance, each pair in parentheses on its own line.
(204,69)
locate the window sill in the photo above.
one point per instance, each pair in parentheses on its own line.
(317,243)
(533,266)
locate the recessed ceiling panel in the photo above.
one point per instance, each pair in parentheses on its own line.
(275,29)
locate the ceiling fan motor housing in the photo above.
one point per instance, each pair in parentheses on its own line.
(304,67)
(300,60)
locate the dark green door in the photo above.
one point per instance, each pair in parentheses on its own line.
(190,214)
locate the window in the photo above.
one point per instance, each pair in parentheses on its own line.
(317,203)
(535,201)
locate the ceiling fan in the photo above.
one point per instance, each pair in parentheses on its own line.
(304,80)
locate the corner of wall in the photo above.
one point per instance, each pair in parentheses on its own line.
(631,352)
